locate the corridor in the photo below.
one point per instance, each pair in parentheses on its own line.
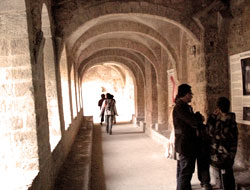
(58,56)
(131,161)
(126,160)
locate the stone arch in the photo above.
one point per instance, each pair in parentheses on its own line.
(122,57)
(73,92)
(138,81)
(50,81)
(140,13)
(154,84)
(77,86)
(125,26)
(63,66)
(115,53)
(109,9)
(122,44)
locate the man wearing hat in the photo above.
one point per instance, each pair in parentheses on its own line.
(186,123)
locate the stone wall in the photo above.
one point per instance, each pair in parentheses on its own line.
(35,75)
(18,138)
(27,85)
(48,172)
(239,41)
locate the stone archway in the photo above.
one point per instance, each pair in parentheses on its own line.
(147,33)
(136,74)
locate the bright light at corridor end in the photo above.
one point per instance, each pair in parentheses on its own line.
(96,83)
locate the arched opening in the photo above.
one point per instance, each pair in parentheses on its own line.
(109,78)
(73,91)
(160,41)
(65,89)
(50,82)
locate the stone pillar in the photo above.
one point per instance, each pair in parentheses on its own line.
(148,93)
(162,87)
(18,136)
(65,88)
(140,98)
(162,108)
(216,52)
(154,96)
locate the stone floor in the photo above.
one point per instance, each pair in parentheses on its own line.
(130,160)
(126,160)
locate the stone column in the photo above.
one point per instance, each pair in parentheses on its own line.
(18,136)
(162,89)
(148,93)
(162,108)
(140,98)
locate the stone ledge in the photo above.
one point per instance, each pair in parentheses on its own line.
(75,173)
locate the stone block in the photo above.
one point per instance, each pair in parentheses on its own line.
(13,5)
(16,122)
(26,144)
(6,90)
(20,60)
(4,47)
(5,61)
(13,26)
(19,46)
(23,88)
(30,122)
(21,74)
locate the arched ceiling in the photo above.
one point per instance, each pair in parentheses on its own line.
(115,55)
(136,32)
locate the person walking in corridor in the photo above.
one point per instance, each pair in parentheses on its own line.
(109,110)
(186,124)
(114,119)
(100,102)
(223,132)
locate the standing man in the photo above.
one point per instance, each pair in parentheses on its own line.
(186,124)
(100,105)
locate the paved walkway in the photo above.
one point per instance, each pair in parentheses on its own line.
(130,160)
(126,160)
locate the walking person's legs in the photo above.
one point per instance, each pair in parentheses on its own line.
(110,124)
(102,118)
(107,123)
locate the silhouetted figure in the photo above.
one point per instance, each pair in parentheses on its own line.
(114,119)
(186,124)
(109,110)
(223,133)
(100,102)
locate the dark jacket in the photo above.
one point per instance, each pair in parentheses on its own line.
(223,134)
(100,102)
(186,123)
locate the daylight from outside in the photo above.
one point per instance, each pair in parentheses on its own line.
(108,78)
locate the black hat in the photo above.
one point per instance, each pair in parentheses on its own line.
(183,89)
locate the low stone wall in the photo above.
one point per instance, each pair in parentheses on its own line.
(75,172)
(49,170)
